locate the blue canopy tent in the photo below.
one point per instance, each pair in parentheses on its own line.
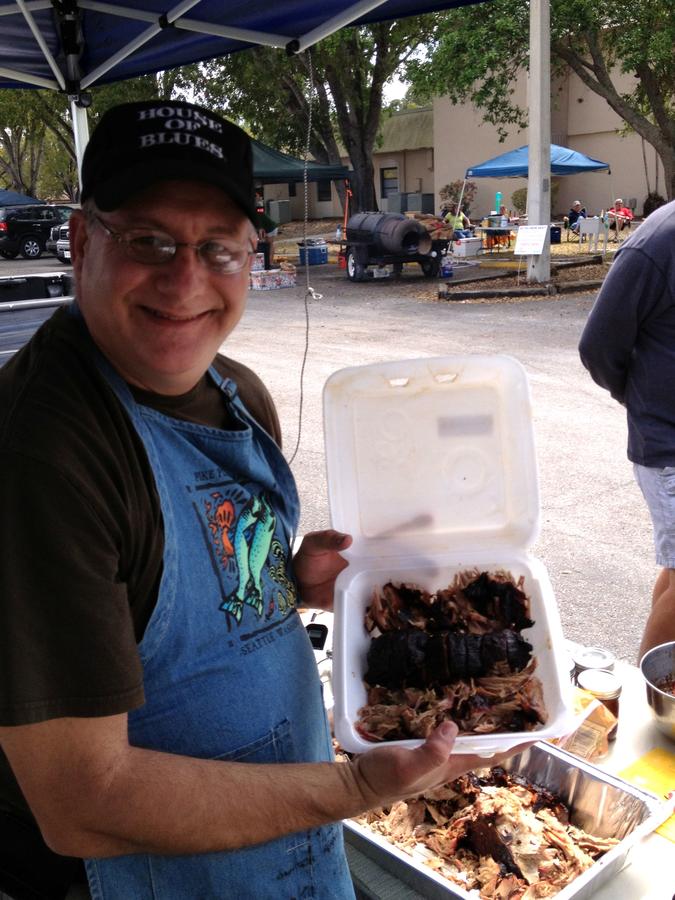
(70,45)
(11,198)
(515,164)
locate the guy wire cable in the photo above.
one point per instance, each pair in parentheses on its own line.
(309,291)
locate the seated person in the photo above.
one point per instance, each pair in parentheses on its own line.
(619,215)
(577,212)
(460,224)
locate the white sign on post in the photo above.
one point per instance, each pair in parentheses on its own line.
(530,240)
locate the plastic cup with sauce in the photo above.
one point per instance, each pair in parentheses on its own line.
(605,687)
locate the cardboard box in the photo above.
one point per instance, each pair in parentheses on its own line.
(272,279)
(258,262)
(432,469)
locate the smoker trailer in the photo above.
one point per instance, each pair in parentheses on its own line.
(377,244)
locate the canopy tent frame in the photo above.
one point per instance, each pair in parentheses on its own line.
(69,38)
(75,84)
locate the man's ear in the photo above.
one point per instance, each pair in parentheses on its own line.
(78,239)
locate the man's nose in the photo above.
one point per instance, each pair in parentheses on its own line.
(182,271)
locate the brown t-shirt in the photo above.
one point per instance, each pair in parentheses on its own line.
(81,525)
(82,548)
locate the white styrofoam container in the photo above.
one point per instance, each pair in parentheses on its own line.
(431,468)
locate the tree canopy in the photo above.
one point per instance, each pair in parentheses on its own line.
(37,150)
(270,93)
(480,50)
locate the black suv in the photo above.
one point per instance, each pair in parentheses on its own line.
(25,229)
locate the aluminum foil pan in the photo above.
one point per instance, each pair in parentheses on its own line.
(600,803)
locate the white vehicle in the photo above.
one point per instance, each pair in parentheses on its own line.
(63,244)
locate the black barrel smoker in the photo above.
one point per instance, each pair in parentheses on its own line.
(377,245)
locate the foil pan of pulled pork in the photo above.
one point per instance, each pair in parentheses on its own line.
(544,824)
(480,648)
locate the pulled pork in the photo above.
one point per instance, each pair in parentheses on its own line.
(497,834)
(457,654)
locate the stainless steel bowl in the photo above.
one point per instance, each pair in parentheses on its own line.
(656,665)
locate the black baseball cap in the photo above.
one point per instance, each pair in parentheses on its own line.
(137,144)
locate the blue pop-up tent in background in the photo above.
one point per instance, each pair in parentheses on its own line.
(515,164)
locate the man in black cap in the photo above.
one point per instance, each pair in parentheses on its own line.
(160,706)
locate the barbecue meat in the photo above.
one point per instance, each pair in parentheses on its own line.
(455,654)
(494,833)
(413,658)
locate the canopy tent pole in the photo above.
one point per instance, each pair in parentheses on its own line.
(461,197)
(143,38)
(348,16)
(42,44)
(36,80)
(246,35)
(78,115)
(539,170)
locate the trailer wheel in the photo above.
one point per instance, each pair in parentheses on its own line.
(431,267)
(355,270)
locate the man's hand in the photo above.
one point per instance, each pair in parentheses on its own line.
(392,773)
(316,566)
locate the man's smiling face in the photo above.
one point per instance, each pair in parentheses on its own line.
(161,325)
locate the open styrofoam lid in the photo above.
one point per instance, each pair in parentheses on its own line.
(434,453)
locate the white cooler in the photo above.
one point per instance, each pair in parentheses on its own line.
(431,467)
(466,246)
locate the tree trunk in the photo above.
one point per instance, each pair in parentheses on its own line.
(362,184)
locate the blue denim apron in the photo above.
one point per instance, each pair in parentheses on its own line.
(229,672)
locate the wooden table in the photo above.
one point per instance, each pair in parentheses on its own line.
(491,234)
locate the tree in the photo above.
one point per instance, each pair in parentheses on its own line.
(270,93)
(480,50)
(21,142)
(37,148)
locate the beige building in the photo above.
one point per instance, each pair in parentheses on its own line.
(421,150)
(580,120)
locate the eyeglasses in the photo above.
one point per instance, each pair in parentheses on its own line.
(152,248)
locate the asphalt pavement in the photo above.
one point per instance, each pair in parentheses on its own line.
(595,534)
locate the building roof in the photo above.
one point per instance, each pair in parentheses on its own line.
(410,129)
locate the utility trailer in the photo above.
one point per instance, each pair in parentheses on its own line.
(376,245)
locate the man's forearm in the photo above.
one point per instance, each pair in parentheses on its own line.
(167,804)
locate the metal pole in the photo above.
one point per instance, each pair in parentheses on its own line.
(78,116)
(539,162)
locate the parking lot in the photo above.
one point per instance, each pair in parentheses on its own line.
(595,536)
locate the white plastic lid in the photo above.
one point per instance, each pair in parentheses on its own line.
(433,455)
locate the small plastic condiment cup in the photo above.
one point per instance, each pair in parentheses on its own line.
(606,687)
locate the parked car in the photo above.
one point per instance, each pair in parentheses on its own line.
(50,244)
(25,229)
(63,244)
